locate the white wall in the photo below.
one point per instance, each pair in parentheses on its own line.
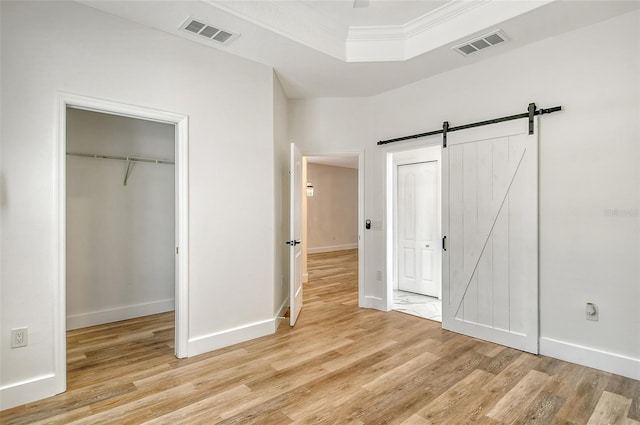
(332,211)
(589,171)
(72,48)
(120,239)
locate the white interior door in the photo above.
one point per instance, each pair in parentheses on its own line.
(295,235)
(490,219)
(418,230)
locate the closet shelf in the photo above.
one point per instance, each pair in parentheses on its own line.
(122,158)
(129,159)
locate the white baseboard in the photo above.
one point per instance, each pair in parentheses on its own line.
(216,340)
(374,302)
(591,357)
(27,391)
(320,249)
(94,318)
(236,335)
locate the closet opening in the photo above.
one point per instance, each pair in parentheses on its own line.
(120,218)
(123,240)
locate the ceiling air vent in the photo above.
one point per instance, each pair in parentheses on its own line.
(209,32)
(482,42)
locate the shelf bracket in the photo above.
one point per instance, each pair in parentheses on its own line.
(126,175)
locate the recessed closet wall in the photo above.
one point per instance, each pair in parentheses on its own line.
(120,238)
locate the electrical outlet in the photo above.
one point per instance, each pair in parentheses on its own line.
(592,312)
(19,337)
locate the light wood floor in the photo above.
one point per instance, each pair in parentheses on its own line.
(339,365)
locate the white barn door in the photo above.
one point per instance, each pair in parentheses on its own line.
(490,219)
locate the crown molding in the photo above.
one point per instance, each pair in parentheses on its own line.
(447,24)
(422,23)
(440,15)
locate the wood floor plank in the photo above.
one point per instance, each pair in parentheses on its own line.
(416,419)
(511,375)
(584,396)
(611,409)
(356,353)
(135,410)
(336,388)
(339,365)
(629,389)
(542,410)
(457,399)
(65,417)
(508,408)
(399,374)
(501,360)
(201,410)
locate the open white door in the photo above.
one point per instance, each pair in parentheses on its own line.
(490,221)
(295,233)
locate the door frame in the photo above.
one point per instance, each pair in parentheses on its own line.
(395,158)
(362,302)
(181,123)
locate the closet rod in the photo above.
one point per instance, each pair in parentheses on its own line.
(122,158)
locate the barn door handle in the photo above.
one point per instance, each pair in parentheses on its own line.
(444,243)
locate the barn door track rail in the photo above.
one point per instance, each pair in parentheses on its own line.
(531,112)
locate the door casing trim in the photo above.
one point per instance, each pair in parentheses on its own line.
(181,122)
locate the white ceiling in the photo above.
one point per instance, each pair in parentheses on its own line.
(328,48)
(378,12)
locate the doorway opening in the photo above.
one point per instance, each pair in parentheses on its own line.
(332,214)
(120,218)
(489,217)
(135,167)
(414,208)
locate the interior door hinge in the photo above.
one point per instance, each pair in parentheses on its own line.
(177,251)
